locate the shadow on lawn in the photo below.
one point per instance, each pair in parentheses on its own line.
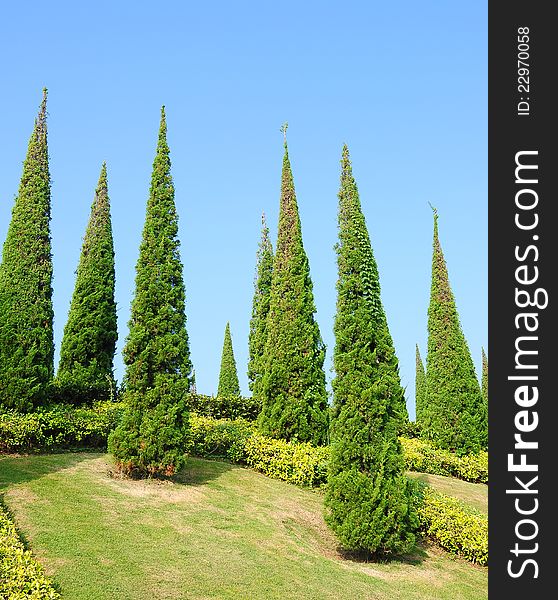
(413,559)
(199,471)
(16,469)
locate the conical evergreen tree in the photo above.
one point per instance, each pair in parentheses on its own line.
(153,435)
(484,382)
(26,314)
(260,308)
(484,390)
(293,392)
(368,497)
(89,342)
(228,377)
(420,387)
(453,416)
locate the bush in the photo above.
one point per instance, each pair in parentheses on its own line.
(59,427)
(298,463)
(222,438)
(455,526)
(425,458)
(21,577)
(224,407)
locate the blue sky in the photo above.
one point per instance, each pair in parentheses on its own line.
(403,83)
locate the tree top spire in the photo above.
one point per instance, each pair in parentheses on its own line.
(283,130)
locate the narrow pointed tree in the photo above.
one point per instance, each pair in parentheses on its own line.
(26,314)
(260,308)
(85,371)
(292,391)
(228,377)
(484,382)
(484,390)
(420,387)
(367,497)
(153,435)
(453,416)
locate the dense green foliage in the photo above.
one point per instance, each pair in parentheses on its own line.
(260,308)
(454,416)
(89,342)
(59,427)
(421,456)
(26,313)
(21,577)
(228,376)
(293,392)
(455,526)
(152,437)
(368,499)
(224,407)
(220,438)
(420,387)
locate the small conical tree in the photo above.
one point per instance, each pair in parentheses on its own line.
(228,377)
(420,387)
(292,391)
(453,416)
(26,314)
(484,382)
(484,390)
(368,499)
(153,435)
(260,308)
(85,371)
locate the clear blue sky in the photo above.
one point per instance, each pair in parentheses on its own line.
(403,83)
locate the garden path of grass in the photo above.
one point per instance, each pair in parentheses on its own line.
(220,531)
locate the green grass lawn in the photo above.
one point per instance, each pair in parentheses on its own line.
(474,494)
(220,531)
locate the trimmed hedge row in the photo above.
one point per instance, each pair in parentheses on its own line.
(21,577)
(59,427)
(63,426)
(224,407)
(454,525)
(425,458)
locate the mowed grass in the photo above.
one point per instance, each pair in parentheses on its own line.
(219,531)
(474,494)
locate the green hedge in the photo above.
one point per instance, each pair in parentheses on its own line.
(224,407)
(21,577)
(220,438)
(59,427)
(454,525)
(298,463)
(423,457)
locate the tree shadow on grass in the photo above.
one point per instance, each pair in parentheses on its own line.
(15,468)
(414,558)
(199,471)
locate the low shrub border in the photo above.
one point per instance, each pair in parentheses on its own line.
(224,407)
(455,526)
(21,577)
(425,458)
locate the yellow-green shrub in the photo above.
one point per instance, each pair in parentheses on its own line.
(21,577)
(220,438)
(425,458)
(455,526)
(298,463)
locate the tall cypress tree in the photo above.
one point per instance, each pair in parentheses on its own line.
(26,314)
(453,416)
(367,498)
(260,308)
(420,387)
(153,435)
(293,392)
(228,377)
(85,371)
